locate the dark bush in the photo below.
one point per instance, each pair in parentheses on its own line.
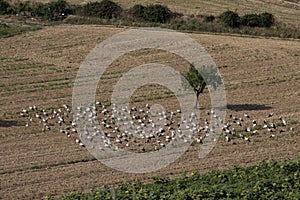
(105,9)
(90,9)
(57,10)
(230,18)
(266,19)
(138,11)
(23,8)
(38,9)
(254,20)
(251,20)
(109,9)
(157,13)
(4,7)
(209,18)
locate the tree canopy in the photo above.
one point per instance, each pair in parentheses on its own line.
(199,79)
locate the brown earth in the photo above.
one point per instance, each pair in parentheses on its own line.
(39,68)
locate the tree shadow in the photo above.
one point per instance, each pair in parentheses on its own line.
(9,123)
(249,107)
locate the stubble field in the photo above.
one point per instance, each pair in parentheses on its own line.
(39,68)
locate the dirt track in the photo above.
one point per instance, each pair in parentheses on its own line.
(38,68)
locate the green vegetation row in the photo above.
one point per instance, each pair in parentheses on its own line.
(58,10)
(109,12)
(267,180)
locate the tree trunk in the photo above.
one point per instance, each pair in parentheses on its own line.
(197,98)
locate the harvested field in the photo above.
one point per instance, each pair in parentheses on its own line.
(39,68)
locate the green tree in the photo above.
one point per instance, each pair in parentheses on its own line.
(57,10)
(230,18)
(266,19)
(196,81)
(255,20)
(251,20)
(109,9)
(4,7)
(157,13)
(199,79)
(105,9)
(138,11)
(209,18)
(53,11)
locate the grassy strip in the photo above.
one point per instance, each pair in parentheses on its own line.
(12,30)
(267,180)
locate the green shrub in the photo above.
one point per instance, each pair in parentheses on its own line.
(38,9)
(252,20)
(209,18)
(53,11)
(138,11)
(57,10)
(152,13)
(105,9)
(4,7)
(266,20)
(255,20)
(109,9)
(230,18)
(90,9)
(157,13)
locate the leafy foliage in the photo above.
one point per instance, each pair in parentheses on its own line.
(267,180)
(138,11)
(199,79)
(255,20)
(90,9)
(105,9)
(157,13)
(230,18)
(4,7)
(22,7)
(109,9)
(209,18)
(152,13)
(251,20)
(56,10)
(266,20)
(195,80)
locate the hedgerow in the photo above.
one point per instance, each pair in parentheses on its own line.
(107,12)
